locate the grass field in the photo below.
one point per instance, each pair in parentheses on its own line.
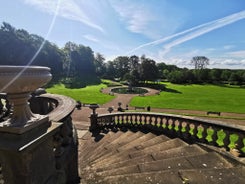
(197,97)
(191,97)
(89,94)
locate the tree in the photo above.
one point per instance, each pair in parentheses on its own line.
(149,70)
(122,66)
(18,47)
(215,74)
(99,64)
(110,70)
(225,75)
(79,60)
(200,62)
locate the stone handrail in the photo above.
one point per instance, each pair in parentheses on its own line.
(191,129)
(59,109)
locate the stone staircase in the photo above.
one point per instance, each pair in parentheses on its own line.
(128,157)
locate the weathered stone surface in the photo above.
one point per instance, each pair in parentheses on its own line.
(144,158)
(28,163)
(234,175)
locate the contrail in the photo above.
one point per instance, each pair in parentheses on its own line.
(68,9)
(194,32)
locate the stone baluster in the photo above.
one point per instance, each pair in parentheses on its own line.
(226,140)
(214,136)
(179,128)
(144,119)
(155,123)
(126,120)
(240,144)
(1,106)
(167,124)
(161,123)
(204,134)
(187,134)
(175,125)
(140,119)
(150,120)
(120,120)
(195,132)
(172,127)
(112,120)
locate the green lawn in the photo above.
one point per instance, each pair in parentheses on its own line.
(89,94)
(197,97)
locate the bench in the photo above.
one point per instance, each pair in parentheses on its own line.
(212,112)
(141,108)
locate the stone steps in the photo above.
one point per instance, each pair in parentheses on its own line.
(192,176)
(142,157)
(221,175)
(129,154)
(111,148)
(210,160)
(190,150)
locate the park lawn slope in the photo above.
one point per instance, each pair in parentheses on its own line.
(196,97)
(88,95)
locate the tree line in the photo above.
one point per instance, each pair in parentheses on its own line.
(77,65)
(70,64)
(137,69)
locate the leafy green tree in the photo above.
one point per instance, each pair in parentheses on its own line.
(79,60)
(99,62)
(176,77)
(18,47)
(121,66)
(165,74)
(110,70)
(225,75)
(149,70)
(215,74)
(234,78)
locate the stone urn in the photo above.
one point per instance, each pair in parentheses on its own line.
(18,82)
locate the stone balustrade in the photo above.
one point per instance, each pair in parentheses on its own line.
(5,107)
(190,129)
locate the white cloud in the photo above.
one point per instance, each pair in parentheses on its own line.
(69,9)
(227,63)
(90,38)
(228,47)
(237,54)
(136,16)
(146,18)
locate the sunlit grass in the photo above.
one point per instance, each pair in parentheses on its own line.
(196,97)
(89,94)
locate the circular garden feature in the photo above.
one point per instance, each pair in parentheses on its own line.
(126,90)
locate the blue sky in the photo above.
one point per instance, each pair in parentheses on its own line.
(170,31)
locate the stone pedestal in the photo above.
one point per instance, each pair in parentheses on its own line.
(28,158)
(26,142)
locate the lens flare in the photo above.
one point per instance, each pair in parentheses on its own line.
(39,49)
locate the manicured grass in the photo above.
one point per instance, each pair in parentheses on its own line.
(196,97)
(89,94)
